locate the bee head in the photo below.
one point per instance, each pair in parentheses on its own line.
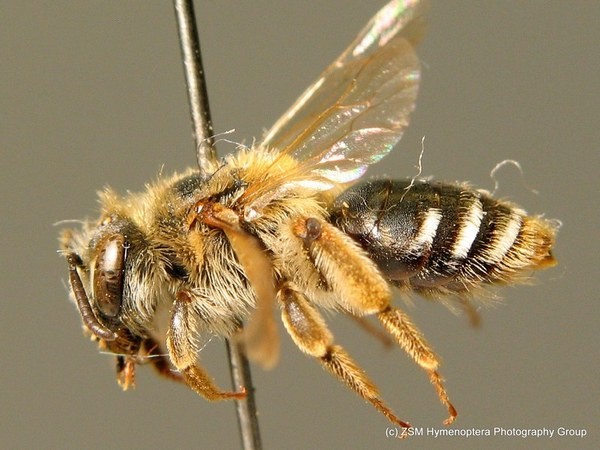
(97,273)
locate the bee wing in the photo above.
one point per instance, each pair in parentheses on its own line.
(357,109)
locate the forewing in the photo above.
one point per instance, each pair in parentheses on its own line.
(357,109)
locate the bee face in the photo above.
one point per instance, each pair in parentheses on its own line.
(280,224)
(100,269)
(108,275)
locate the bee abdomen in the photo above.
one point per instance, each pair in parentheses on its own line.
(442,238)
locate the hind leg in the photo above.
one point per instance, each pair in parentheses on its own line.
(362,290)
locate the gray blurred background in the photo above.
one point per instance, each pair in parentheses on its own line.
(92,93)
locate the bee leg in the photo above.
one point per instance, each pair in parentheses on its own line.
(349,271)
(183,350)
(260,337)
(412,342)
(126,348)
(126,371)
(159,361)
(309,332)
(362,290)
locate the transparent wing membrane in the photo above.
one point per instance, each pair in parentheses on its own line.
(356,111)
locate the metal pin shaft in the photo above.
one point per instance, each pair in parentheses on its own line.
(206,156)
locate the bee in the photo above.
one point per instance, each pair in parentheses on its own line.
(283,226)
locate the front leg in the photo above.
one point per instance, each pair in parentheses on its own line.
(160,361)
(183,351)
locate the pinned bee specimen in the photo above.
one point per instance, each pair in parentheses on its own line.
(281,227)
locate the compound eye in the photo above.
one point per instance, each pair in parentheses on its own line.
(108,275)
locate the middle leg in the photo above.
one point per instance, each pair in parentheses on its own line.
(309,332)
